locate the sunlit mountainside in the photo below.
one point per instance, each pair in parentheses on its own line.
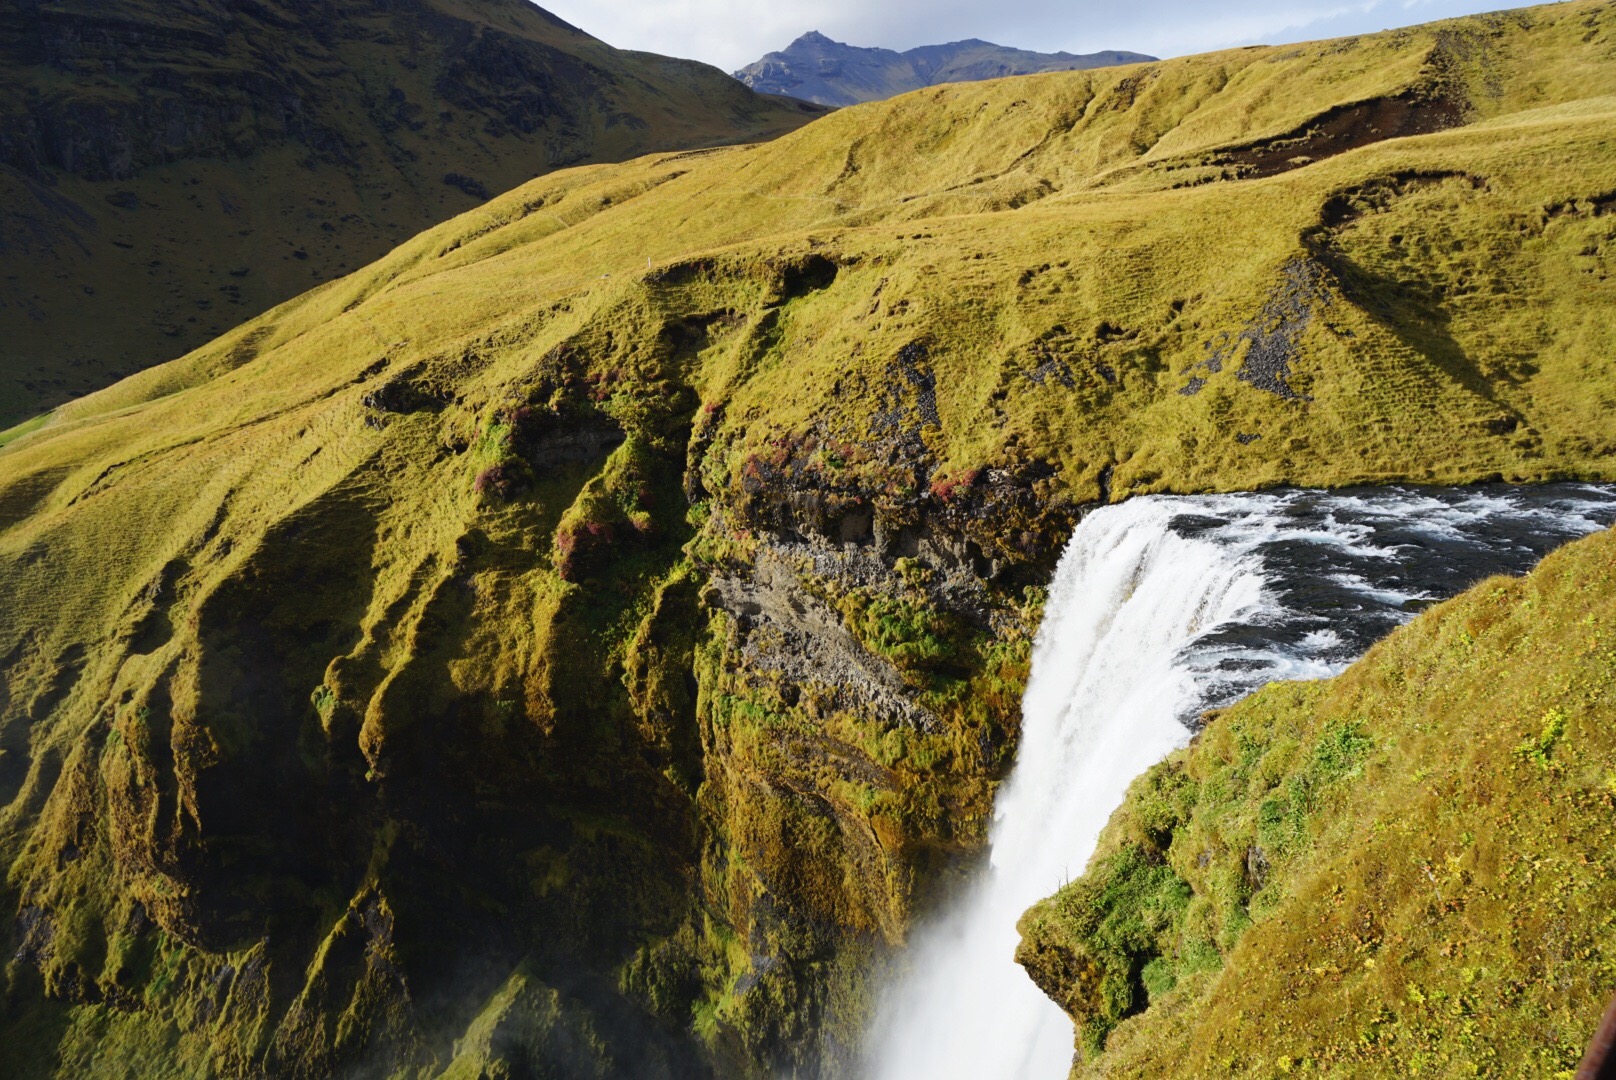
(170,170)
(582,641)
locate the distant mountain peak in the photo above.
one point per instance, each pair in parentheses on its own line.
(818,68)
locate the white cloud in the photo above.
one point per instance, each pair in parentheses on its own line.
(732,33)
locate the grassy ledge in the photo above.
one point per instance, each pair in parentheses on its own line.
(1405,869)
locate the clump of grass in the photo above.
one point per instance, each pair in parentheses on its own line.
(613,516)
(914,636)
(1539,750)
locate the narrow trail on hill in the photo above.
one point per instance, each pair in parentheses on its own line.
(1161,608)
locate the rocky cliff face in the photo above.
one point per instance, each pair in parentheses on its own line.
(668,743)
(815,68)
(169,173)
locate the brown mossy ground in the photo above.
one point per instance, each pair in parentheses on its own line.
(585,638)
(1404,870)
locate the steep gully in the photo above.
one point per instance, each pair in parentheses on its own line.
(1161,608)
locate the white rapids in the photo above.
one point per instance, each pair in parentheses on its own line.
(1161,607)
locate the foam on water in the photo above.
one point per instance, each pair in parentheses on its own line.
(1161,608)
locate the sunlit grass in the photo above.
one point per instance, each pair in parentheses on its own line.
(27,427)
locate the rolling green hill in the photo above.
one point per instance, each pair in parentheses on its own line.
(170,170)
(582,639)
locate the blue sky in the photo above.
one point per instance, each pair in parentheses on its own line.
(732,33)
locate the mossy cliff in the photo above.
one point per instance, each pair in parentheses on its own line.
(583,639)
(1404,869)
(170,170)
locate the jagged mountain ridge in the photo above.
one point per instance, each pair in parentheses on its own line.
(582,639)
(170,170)
(815,68)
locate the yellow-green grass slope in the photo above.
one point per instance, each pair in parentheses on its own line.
(1462,292)
(168,171)
(1407,870)
(367,694)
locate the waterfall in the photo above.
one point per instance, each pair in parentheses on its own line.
(1162,607)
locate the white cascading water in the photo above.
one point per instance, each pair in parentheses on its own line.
(1143,625)
(1100,708)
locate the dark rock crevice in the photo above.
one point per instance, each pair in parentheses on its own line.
(1417,111)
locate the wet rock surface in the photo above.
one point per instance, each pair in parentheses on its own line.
(786,632)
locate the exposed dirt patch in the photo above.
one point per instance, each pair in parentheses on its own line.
(1589,206)
(1343,128)
(1349,204)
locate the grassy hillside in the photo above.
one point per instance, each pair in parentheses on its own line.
(1407,869)
(582,638)
(168,171)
